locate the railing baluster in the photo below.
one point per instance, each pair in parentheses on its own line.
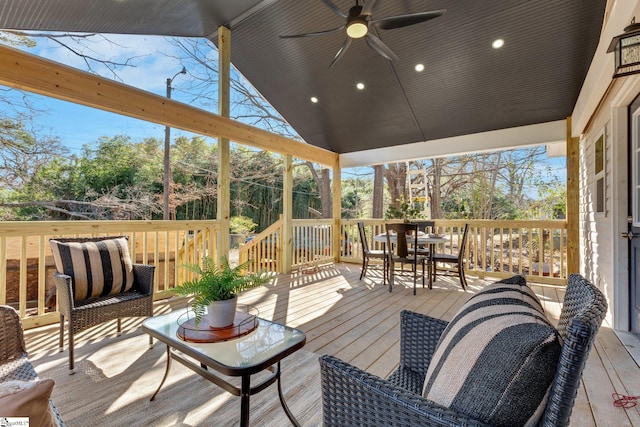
(42,280)
(22,295)
(3,270)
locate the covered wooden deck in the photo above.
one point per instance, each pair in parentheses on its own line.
(357,321)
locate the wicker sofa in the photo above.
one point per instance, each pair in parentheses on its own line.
(14,363)
(83,313)
(354,397)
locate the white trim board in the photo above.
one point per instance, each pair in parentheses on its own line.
(504,139)
(602,66)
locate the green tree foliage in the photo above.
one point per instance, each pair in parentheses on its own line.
(117,178)
(357,194)
(116,164)
(23,155)
(241,225)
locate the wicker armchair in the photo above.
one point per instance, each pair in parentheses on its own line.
(84,314)
(14,363)
(354,397)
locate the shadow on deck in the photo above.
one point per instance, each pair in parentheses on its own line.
(357,321)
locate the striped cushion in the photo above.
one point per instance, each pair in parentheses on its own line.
(496,359)
(99,267)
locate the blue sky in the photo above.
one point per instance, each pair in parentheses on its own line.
(76,125)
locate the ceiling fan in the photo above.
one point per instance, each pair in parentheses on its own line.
(358,23)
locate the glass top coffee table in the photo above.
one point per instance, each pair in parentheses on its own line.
(260,350)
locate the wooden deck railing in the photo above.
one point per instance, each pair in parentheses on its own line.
(311,242)
(26,263)
(535,249)
(264,251)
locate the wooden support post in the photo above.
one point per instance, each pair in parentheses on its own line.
(224,180)
(336,203)
(287,214)
(573,201)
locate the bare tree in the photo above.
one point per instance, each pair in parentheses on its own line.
(137,204)
(81,45)
(22,154)
(445,177)
(378,191)
(396,175)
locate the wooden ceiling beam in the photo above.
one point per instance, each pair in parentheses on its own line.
(31,73)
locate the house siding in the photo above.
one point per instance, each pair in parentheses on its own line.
(603,104)
(596,228)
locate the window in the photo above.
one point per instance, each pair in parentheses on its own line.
(600,190)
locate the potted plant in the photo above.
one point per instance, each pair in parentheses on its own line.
(216,289)
(406,211)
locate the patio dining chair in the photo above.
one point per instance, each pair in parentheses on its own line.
(398,238)
(369,254)
(455,259)
(425,227)
(351,396)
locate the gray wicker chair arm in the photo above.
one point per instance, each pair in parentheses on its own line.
(64,291)
(11,338)
(582,313)
(353,397)
(143,278)
(419,336)
(14,363)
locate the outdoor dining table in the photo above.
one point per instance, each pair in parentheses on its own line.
(423,239)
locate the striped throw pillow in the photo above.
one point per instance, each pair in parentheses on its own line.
(98,267)
(496,359)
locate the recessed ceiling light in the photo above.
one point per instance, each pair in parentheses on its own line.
(360,85)
(314,99)
(497,44)
(419,67)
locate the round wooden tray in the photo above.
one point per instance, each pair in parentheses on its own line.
(243,324)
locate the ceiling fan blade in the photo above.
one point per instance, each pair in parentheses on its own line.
(400,21)
(317,33)
(334,8)
(369,7)
(341,51)
(376,44)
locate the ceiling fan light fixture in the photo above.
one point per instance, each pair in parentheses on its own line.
(357,25)
(357,28)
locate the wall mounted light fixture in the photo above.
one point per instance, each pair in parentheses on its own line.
(627,51)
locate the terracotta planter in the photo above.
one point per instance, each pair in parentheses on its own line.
(221,314)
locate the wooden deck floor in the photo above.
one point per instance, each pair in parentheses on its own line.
(357,321)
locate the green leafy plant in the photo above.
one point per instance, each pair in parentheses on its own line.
(241,225)
(218,283)
(405,211)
